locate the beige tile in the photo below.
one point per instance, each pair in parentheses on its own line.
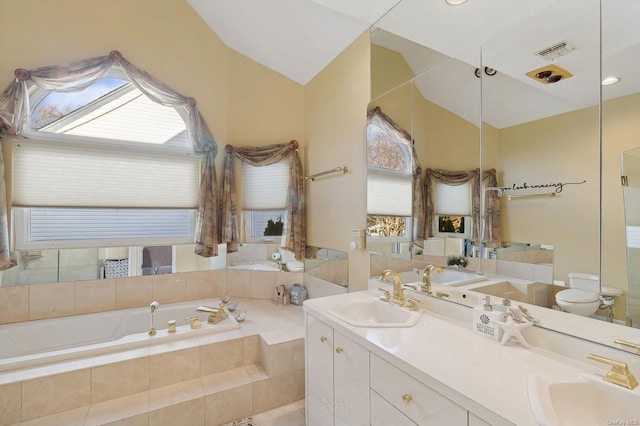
(186,413)
(200,285)
(73,417)
(95,296)
(55,394)
(263,284)
(14,304)
(229,379)
(251,349)
(298,385)
(273,392)
(219,282)
(173,367)
(238,283)
(139,420)
(128,410)
(221,356)
(289,278)
(10,403)
(169,288)
(51,300)
(119,379)
(177,393)
(276,359)
(179,404)
(287,415)
(298,354)
(133,292)
(226,406)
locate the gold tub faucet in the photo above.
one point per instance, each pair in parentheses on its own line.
(398,297)
(215,314)
(426,277)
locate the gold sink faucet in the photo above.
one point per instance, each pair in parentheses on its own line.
(426,277)
(398,297)
(619,374)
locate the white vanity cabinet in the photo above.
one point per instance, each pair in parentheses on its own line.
(421,404)
(337,377)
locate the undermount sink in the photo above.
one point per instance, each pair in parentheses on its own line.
(373,312)
(581,399)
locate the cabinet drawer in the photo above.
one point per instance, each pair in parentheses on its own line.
(385,414)
(417,401)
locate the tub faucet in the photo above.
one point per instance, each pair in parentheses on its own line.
(426,277)
(398,297)
(215,314)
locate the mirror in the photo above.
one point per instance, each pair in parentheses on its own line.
(542,137)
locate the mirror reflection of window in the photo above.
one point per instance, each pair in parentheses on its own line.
(389,183)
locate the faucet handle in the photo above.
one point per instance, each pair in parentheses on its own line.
(635,346)
(619,374)
(385,294)
(414,305)
(195,322)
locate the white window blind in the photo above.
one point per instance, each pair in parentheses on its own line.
(57,174)
(60,227)
(265,187)
(389,194)
(453,199)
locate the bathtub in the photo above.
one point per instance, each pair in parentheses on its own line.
(448,277)
(34,343)
(258,265)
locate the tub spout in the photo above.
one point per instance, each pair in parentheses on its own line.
(215,314)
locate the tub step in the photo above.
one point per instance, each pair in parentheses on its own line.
(268,372)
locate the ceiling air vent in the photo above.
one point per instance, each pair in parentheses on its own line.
(555,51)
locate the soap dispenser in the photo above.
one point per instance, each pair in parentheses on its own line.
(484,317)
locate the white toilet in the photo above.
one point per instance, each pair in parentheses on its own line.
(584,295)
(289,260)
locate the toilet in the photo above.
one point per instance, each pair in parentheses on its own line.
(584,295)
(289,260)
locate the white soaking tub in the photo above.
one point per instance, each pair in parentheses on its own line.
(258,265)
(33,343)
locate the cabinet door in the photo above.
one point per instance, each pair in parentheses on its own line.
(319,373)
(385,414)
(351,382)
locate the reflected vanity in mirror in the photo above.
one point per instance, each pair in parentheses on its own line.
(554,158)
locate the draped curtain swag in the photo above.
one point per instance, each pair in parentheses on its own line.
(419,201)
(491,235)
(14,116)
(294,223)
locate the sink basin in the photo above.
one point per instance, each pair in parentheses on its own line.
(581,399)
(373,312)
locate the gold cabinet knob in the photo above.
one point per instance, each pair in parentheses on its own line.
(323,338)
(407,398)
(339,349)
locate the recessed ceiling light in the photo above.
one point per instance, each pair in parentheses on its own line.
(610,80)
(455,2)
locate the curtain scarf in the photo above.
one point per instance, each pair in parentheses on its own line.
(491,234)
(293,233)
(14,117)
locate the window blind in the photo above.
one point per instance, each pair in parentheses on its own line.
(389,194)
(55,174)
(265,187)
(453,199)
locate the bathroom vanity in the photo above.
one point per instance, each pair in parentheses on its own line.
(432,373)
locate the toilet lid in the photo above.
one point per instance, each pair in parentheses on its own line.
(575,295)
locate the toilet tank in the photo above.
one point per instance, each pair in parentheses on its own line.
(588,282)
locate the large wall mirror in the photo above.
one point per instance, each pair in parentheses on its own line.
(534,115)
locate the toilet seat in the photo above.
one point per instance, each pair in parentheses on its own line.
(575,295)
(295,266)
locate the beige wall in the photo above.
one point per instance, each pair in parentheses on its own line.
(335,118)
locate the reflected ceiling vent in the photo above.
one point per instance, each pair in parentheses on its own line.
(559,49)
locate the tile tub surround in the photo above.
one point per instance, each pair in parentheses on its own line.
(239,370)
(24,303)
